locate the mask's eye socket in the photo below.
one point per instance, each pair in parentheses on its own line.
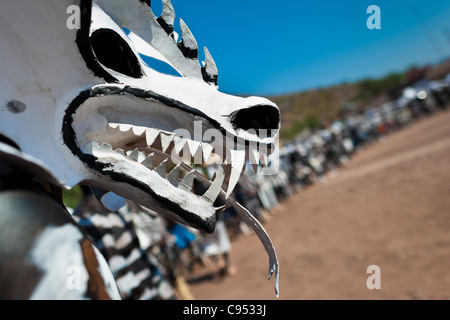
(114,53)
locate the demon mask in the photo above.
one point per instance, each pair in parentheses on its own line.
(82,104)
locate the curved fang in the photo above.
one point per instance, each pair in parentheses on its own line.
(264,238)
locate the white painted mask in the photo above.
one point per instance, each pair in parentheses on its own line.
(83,105)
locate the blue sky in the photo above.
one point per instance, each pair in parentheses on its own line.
(274,47)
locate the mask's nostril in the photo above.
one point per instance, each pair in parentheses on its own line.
(256,118)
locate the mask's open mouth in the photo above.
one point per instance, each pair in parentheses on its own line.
(144,147)
(177,162)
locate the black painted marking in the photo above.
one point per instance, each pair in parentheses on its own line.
(84,43)
(187,52)
(113,52)
(16,106)
(9,142)
(167,27)
(207,77)
(147,2)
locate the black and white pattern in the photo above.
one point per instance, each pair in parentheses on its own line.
(138,275)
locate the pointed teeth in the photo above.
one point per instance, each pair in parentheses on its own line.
(138,130)
(159,140)
(136,155)
(104,148)
(174,175)
(193,147)
(157,159)
(148,162)
(91,146)
(141,156)
(214,190)
(125,127)
(237,161)
(112,128)
(188,45)
(234,178)
(187,182)
(96,149)
(166,139)
(161,168)
(151,135)
(179,144)
(207,150)
(119,152)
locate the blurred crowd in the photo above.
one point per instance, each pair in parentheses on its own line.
(151,257)
(309,157)
(312,154)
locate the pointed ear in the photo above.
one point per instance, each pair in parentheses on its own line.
(167,18)
(188,45)
(209,69)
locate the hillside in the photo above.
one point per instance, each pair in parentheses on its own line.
(318,107)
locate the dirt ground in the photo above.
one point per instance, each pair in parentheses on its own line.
(389,206)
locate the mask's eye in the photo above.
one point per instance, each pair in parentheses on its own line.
(114,53)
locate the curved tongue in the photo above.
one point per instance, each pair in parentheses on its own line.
(264,238)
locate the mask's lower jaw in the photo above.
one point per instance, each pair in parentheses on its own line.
(250,220)
(168,191)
